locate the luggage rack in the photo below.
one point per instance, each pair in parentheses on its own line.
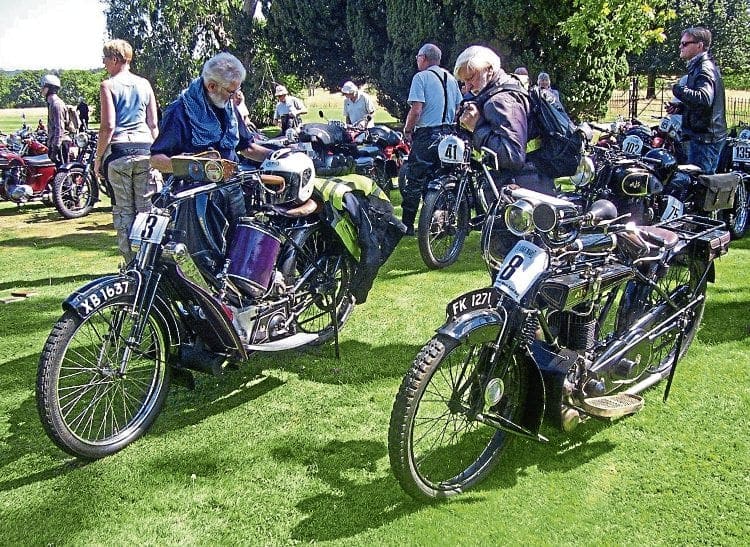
(690,227)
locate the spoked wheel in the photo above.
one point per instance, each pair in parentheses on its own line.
(95,395)
(436,446)
(74,193)
(736,218)
(683,282)
(324,270)
(443,225)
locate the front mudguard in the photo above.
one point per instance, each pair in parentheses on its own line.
(487,326)
(92,296)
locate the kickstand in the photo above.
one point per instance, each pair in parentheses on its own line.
(335,321)
(677,352)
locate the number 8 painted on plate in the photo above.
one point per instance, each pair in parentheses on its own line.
(511,268)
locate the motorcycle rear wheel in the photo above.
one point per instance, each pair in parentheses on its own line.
(74,193)
(736,218)
(327,270)
(436,447)
(442,229)
(682,274)
(86,406)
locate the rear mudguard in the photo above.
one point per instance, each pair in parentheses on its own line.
(444,180)
(485,326)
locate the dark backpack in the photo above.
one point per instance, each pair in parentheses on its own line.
(561,149)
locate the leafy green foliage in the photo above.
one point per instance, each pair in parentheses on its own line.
(21,89)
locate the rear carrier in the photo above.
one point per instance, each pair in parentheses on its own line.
(708,237)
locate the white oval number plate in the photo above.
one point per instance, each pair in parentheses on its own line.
(632,145)
(522,267)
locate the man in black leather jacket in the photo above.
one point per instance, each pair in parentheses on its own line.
(704,123)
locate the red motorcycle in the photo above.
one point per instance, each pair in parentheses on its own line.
(393,151)
(28,175)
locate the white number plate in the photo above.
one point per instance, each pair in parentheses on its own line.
(741,153)
(149,228)
(632,145)
(522,267)
(665,125)
(675,208)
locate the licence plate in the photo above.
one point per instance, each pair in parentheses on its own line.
(471,301)
(741,153)
(149,228)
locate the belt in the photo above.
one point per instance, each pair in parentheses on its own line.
(444,126)
(533,145)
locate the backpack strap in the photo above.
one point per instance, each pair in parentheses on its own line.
(444,81)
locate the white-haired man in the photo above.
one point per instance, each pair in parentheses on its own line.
(359,108)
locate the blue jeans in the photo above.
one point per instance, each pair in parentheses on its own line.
(705,155)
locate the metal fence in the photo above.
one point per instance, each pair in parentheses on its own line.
(635,102)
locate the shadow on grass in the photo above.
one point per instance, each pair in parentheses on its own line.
(83,241)
(47,281)
(724,322)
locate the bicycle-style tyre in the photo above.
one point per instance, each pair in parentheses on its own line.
(442,229)
(436,447)
(74,193)
(95,394)
(736,218)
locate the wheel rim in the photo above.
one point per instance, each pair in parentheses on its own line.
(448,447)
(740,210)
(96,404)
(75,191)
(445,233)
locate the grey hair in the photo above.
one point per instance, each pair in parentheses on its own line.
(431,53)
(223,68)
(543,76)
(474,59)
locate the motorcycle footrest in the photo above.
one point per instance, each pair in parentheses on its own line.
(613,406)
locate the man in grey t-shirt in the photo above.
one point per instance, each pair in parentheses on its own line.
(434,97)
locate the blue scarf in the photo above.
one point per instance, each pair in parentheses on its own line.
(205,126)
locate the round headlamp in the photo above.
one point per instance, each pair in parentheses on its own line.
(519,217)
(82,139)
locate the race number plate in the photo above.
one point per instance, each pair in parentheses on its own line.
(522,267)
(741,152)
(474,300)
(675,208)
(149,228)
(665,125)
(632,145)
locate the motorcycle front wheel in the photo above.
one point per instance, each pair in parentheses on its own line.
(325,270)
(95,394)
(736,218)
(436,447)
(74,193)
(443,226)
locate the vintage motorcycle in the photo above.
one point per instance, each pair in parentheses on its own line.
(389,157)
(28,175)
(189,301)
(456,200)
(584,314)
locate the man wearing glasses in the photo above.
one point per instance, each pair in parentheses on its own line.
(203,118)
(702,104)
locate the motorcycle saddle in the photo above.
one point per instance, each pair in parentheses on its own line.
(647,241)
(38,161)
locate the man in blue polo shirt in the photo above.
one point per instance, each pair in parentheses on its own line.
(434,97)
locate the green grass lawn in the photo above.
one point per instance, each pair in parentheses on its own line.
(292,447)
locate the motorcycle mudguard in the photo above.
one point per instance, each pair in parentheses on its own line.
(70,165)
(440,182)
(484,325)
(89,298)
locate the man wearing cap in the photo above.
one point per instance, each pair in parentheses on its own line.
(288,109)
(55,117)
(434,96)
(359,108)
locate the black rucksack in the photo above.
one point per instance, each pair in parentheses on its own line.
(561,147)
(562,141)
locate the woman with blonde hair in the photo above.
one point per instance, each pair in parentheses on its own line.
(128,127)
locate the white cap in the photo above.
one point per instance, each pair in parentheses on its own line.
(280,90)
(348,87)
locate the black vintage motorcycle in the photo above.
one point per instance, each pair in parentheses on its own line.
(456,199)
(76,188)
(584,314)
(190,302)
